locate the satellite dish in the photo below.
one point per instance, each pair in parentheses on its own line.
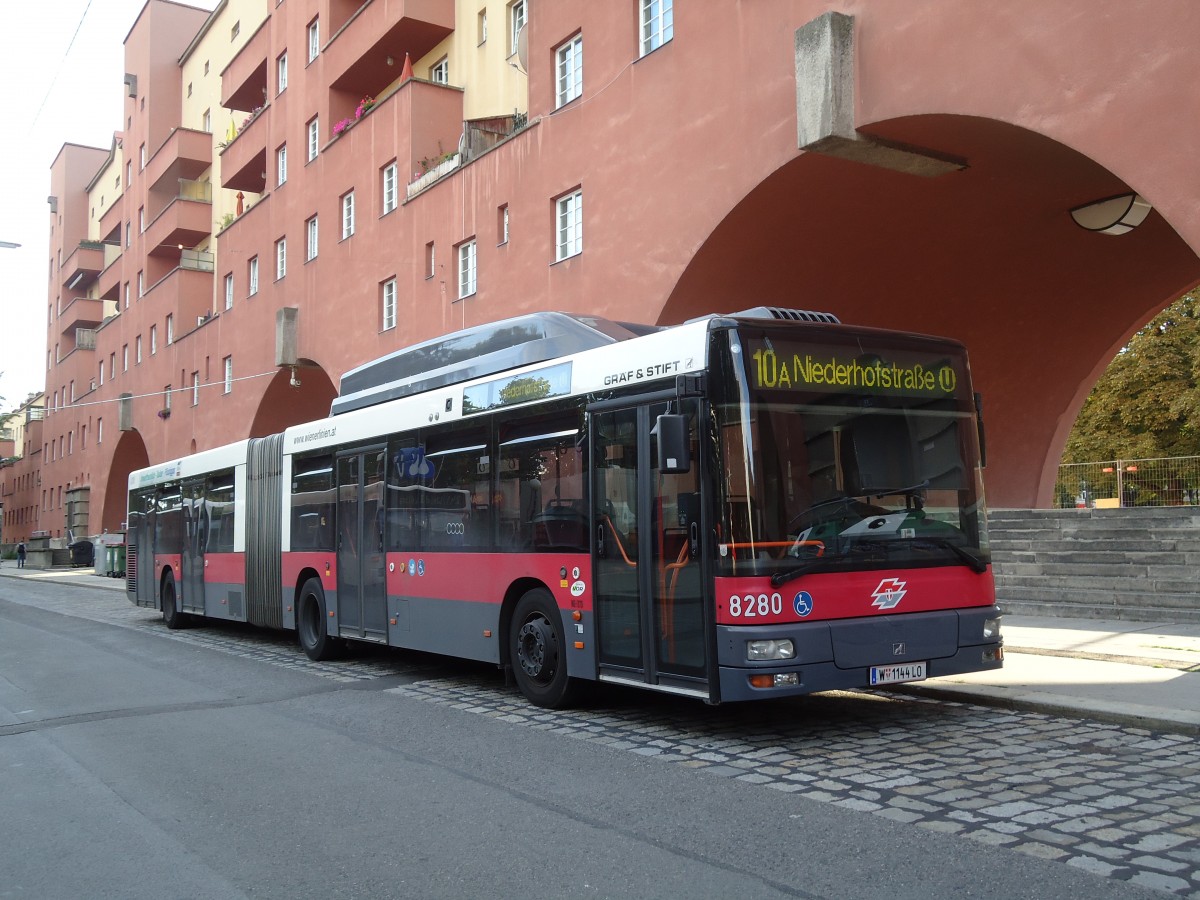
(523,47)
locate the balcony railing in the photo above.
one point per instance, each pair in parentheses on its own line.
(196,260)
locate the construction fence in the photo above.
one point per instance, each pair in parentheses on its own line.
(1129,482)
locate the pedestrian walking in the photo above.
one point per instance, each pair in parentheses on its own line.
(21,555)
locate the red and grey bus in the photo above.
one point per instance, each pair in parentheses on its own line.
(743,506)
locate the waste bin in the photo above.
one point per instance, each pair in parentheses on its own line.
(116,563)
(102,558)
(82,553)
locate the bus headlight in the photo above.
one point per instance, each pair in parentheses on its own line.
(991,629)
(781,649)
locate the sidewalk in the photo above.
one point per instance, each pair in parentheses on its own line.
(1145,674)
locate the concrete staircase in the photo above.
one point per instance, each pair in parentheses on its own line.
(1141,564)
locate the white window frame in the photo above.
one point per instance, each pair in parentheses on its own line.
(347,215)
(281,73)
(280,258)
(439,72)
(568,71)
(314,137)
(311,234)
(167,398)
(390,186)
(170,328)
(468,270)
(281,165)
(137,360)
(228,375)
(657,24)
(229,290)
(314,39)
(388,304)
(153,340)
(516,20)
(253,276)
(195,389)
(568,225)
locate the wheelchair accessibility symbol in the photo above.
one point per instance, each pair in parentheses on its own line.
(803,603)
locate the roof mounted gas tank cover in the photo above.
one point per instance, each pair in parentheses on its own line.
(792,315)
(474,353)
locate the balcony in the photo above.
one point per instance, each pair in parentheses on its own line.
(186,221)
(82,312)
(184,292)
(109,284)
(244,81)
(187,154)
(244,159)
(365,54)
(83,265)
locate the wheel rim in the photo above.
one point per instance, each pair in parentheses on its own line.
(535,649)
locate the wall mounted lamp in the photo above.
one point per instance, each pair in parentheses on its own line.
(1114,215)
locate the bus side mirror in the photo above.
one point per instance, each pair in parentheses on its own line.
(674,444)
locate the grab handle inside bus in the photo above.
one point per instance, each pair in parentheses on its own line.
(674,444)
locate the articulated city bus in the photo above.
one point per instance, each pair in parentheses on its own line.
(755,505)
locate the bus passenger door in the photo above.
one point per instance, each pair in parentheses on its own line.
(192,556)
(649,598)
(362,590)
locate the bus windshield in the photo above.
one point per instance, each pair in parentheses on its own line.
(840,456)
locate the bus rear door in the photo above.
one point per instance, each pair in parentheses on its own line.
(361,580)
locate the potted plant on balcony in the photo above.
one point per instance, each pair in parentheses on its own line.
(364,105)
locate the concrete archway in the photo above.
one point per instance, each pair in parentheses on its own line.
(987,254)
(285,403)
(129,455)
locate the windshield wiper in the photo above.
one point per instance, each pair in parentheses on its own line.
(977,564)
(791,574)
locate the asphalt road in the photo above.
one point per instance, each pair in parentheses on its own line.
(220,762)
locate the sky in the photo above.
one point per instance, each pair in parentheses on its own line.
(62,69)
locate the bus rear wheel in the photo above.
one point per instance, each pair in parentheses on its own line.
(173,618)
(537,651)
(312,623)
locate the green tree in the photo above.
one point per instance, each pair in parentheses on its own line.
(1147,403)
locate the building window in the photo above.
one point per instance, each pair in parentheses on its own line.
(314,39)
(430,260)
(439,72)
(481,26)
(235,30)
(141,285)
(137,356)
(153,339)
(516,21)
(569,84)
(195,389)
(228,374)
(281,165)
(313,138)
(389,188)
(142,155)
(128,174)
(141,220)
(127,295)
(347,215)
(502,224)
(128,236)
(658,24)
(466,269)
(389,304)
(570,225)
(206,121)
(310,247)
(253,276)
(170,329)
(101,374)
(124,357)
(280,258)
(229,291)
(100,430)
(112,365)
(167,398)
(281,73)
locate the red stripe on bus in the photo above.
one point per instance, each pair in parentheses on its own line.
(845,595)
(484,577)
(225,568)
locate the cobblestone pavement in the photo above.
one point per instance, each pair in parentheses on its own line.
(1116,801)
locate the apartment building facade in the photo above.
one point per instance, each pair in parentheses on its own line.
(300,186)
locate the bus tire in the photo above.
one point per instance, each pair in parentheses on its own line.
(538,653)
(173,618)
(312,623)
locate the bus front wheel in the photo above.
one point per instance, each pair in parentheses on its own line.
(537,651)
(312,623)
